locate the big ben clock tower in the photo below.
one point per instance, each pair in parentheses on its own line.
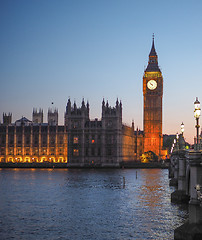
(153,93)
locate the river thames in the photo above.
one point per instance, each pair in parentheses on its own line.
(87,204)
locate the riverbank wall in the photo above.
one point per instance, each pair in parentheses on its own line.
(64,165)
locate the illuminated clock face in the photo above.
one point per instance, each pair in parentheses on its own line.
(152,84)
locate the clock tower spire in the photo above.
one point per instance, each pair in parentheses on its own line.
(153,94)
(153,59)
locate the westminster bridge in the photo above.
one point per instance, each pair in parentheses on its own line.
(185,174)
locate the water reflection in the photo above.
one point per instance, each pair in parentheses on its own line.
(87,204)
(152,188)
(87,179)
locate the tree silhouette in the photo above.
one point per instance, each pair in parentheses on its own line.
(149,157)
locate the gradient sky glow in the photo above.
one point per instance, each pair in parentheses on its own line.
(50,50)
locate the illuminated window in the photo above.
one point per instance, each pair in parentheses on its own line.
(52,151)
(76,152)
(76,140)
(93,141)
(18,151)
(35,151)
(76,124)
(11,151)
(27,151)
(19,159)
(52,160)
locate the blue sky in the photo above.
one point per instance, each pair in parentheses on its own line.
(51,50)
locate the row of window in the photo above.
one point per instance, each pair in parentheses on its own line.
(27,140)
(109,139)
(34,151)
(34,159)
(152,75)
(92,152)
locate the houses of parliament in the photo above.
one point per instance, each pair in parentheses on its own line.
(84,142)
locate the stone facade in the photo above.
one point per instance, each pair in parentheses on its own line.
(94,142)
(79,142)
(25,141)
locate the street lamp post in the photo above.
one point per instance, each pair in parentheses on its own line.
(182,128)
(183,143)
(177,141)
(197,113)
(174,144)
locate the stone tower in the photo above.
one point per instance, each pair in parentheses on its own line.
(112,132)
(7,118)
(75,119)
(74,116)
(153,93)
(37,116)
(52,116)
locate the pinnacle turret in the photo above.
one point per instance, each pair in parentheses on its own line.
(153,50)
(153,60)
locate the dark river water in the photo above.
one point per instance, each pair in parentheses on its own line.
(87,204)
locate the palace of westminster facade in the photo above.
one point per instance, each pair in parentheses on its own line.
(84,142)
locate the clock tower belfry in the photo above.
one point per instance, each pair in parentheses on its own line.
(153,93)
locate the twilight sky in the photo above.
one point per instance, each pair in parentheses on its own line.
(51,50)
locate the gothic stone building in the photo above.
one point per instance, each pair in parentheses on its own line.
(80,142)
(96,142)
(105,142)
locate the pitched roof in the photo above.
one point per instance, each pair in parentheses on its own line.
(153,51)
(23,119)
(153,60)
